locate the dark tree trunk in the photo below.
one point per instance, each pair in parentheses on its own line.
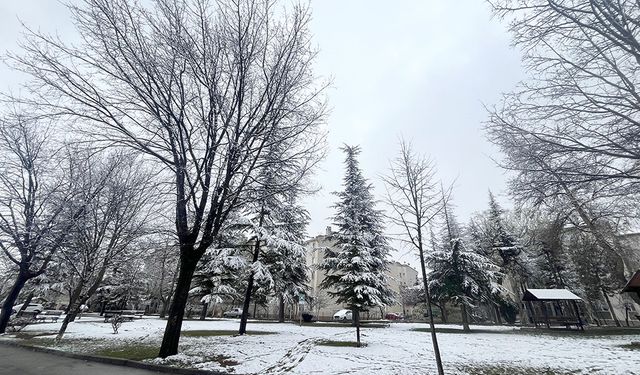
(281,308)
(432,325)
(255,309)
(171,337)
(613,313)
(356,321)
(246,305)
(443,313)
(72,309)
(465,318)
(498,315)
(26,303)
(163,308)
(10,300)
(205,307)
(247,296)
(166,302)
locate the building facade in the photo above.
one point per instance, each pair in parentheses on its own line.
(399,275)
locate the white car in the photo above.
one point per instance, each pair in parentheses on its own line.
(233,313)
(34,308)
(343,315)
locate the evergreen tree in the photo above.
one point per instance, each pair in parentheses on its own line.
(355,266)
(459,274)
(600,271)
(285,255)
(492,236)
(275,224)
(550,260)
(503,243)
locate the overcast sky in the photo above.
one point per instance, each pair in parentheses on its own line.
(412,68)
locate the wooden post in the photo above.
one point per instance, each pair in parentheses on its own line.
(546,313)
(531,308)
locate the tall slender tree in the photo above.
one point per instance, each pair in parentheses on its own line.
(355,266)
(413,195)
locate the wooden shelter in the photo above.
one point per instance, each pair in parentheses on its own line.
(557,307)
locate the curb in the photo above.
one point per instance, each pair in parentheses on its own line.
(116,361)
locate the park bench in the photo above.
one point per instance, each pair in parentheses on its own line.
(129,315)
(54,315)
(568,322)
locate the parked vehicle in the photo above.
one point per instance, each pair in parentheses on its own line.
(233,313)
(394,316)
(33,308)
(343,315)
(307,317)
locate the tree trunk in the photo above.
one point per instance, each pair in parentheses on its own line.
(356,321)
(25,304)
(163,308)
(613,313)
(432,325)
(203,313)
(7,306)
(465,318)
(443,313)
(72,308)
(247,295)
(246,305)
(281,308)
(171,338)
(255,309)
(167,301)
(592,313)
(499,318)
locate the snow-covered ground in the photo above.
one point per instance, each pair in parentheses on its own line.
(398,349)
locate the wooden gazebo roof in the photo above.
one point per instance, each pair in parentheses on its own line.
(634,284)
(549,295)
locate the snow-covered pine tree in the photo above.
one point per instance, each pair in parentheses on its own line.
(551,263)
(355,266)
(503,243)
(459,274)
(284,254)
(217,277)
(275,223)
(491,235)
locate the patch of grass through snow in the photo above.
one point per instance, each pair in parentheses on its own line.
(221,332)
(134,352)
(590,332)
(633,346)
(460,330)
(342,325)
(351,344)
(510,370)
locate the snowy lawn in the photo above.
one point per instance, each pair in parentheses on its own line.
(402,348)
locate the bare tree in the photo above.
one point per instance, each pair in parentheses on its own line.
(581,98)
(110,228)
(201,87)
(539,179)
(36,186)
(578,112)
(414,197)
(161,271)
